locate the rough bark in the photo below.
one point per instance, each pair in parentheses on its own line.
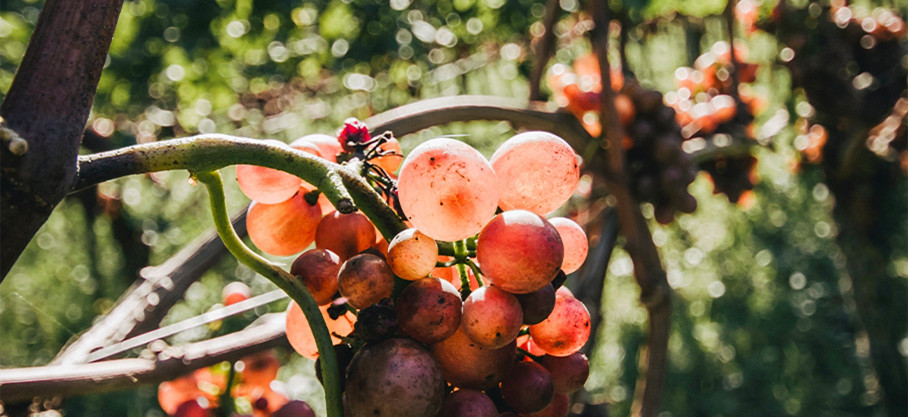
(47,105)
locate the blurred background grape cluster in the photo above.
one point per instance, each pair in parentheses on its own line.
(764,319)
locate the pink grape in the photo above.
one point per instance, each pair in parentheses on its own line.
(447,189)
(393,159)
(412,254)
(271,186)
(537,171)
(468,365)
(300,335)
(345,234)
(327,145)
(284,228)
(566,329)
(576,244)
(557,408)
(318,269)
(491,317)
(538,304)
(519,251)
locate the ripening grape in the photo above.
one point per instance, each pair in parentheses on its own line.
(519,251)
(318,269)
(393,159)
(285,228)
(267,185)
(575,243)
(468,365)
(566,329)
(491,317)
(569,373)
(365,279)
(429,310)
(345,234)
(468,403)
(537,171)
(327,145)
(447,189)
(294,408)
(528,387)
(538,304)
(300,335)
(412,254)
(525,342)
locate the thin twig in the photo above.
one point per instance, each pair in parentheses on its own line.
(544,48)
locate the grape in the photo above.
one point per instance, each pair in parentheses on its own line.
(173,393)
(365,279)
(568,372)
(235,292)
(519,251)
(525,342)
(260,369)
(318,269)
(537,171)
(528,387)
(491,317)
(193,408)
(395,377)
(392,161)
(429,310)
(447,189)
(345,234)
(267,185)
(576,244)
(285,228)
(468,403)
(468,365)
(294,408)
(327,145)
(300,335)
(558,407)
(566,330)
(412,254)
(538,304)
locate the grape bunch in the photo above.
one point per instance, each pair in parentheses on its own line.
(658,169)
(462,313)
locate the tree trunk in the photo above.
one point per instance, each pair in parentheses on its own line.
(47,105)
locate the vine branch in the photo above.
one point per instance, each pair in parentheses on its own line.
(290,284)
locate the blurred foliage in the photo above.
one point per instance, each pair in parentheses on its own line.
(764,315)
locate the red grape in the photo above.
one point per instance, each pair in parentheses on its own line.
(468,403)
(468,365)
(447,189)
(491,317)
(412,254)
(318,269)
(537,171)
(528,387)
(429,310)
(294,408)
(569,373)
(300,335)
(575,243)
(271,186)
(558,407)
(345,234)
(365,279)
(565,330)
(193,408)
(285,228)
(519,251)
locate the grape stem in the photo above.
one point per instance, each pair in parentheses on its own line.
(460,257)
(526,353)
(476,271)
(346,190)
(292,286)
(225,400)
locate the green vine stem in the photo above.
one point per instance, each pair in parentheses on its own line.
(292,286)
(343,187)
